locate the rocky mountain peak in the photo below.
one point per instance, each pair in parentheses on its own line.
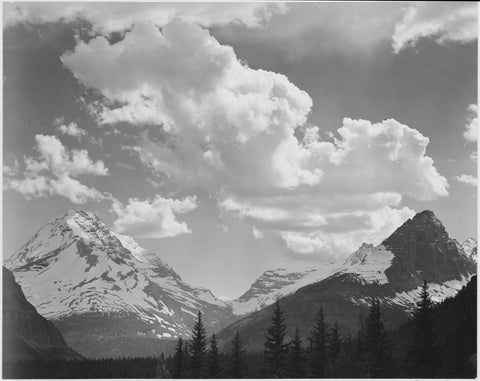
(423,227)
(360,255)
(428,217)
(78,228)
(423,249)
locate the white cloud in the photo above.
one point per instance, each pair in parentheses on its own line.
(374,227)
(231,130)
(315,29)
(223,228)
(257,233)
(72,129)
(111,17)
(55,172)
(471,133)
(12,170)
(213,108)
(156,218)
(467,179)
(444,21)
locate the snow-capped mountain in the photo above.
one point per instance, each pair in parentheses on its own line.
(368,265)
(109,296)
(79,274)
(470,248)
(274,284)
(393,272)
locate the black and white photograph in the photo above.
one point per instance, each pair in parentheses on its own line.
(239,190)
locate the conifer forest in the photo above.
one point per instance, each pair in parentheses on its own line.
(439,341)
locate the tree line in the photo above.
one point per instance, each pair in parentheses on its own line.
(326,354)
(438,342)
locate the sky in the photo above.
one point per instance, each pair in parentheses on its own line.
(234,138)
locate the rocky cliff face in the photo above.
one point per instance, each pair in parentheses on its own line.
(26,334)
(423,249)
(392,272)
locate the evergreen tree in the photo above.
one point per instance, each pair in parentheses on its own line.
(296,360)
(236,360)
(378,352)
(348,361)
(361,346)
(335,343)
(214,369)
(275,349)
(334,348)
(462,347)
(318,347)
(424,351)
(161,369)
(186,358)
(198,349)
(179,360)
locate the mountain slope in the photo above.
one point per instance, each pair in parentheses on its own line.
(100,286)
(26,334)
(392,271)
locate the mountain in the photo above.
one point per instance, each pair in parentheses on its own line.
(392,271)
(469,246)
(274,284)
(368,262)
(104,288)
(26,334)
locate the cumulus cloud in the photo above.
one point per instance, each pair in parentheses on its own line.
(471,133)
(373,226)
(467,179)
(443,21)
(212,107)
(322,28)
(55,172)
(113,17)
(232,130)
(72,129)
(156,218)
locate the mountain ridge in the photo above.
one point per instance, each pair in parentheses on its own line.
(94,283)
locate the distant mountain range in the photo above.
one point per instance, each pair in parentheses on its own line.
(371,265)
(110,297)
(393,272)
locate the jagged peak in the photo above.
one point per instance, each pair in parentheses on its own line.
(469,241)
(360,254)
(80,214)
(425,220)
(427,216)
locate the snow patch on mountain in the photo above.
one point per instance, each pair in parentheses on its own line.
(438,293)
(275,284)
(369,263)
